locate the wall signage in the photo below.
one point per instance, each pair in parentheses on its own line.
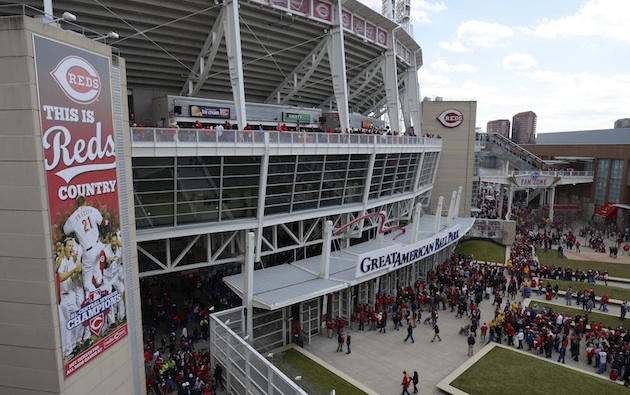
(451,118)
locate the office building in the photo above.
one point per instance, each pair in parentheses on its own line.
(524,128)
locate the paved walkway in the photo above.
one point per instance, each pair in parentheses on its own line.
(378,360)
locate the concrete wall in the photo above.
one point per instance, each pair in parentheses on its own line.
(458,151)
(30,341)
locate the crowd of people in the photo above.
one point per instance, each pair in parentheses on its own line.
(174,327)
(459,285)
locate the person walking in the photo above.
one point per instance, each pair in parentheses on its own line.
(410,333)
(348,343)
(520,336)
(562,353)
(471,344)
(340,340)
(218,376)
(436,330)
(484,330)
(415,380)
(406,383)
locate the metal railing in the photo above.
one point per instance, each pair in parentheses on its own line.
(563,173)
(246,371)
(185,137)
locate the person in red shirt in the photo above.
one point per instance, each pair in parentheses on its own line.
(406,382)
(484,330)
(330,326)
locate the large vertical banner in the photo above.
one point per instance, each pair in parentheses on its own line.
(76,111)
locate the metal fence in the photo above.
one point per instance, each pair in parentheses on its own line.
(245,370)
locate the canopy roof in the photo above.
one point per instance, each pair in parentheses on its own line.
(163,41)
(287,284)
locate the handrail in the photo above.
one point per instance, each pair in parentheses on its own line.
(564,173)
(498,138)
(187,137)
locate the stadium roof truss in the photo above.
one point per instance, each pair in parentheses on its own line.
(287,57)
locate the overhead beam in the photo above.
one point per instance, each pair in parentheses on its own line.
(206,57)
(314,58)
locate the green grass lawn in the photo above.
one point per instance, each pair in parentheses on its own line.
(607,320)
(599,288)
(316,379)
(504,371)
(550,257)
(482,250)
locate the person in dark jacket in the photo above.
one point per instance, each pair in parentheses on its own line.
(415,380)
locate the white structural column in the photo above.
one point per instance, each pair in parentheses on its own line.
(248,297)
(337,60)
(417,213)
(458,201)
(262,197)
(499,201)
(402,97)
(438,215)
(390,77)
(324,268)
(235,60)
(451,209)
(509,205)
(552,200)
(413,93)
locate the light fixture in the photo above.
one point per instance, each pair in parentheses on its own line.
(290,15)
(216,2)
(66,16)
(113,35)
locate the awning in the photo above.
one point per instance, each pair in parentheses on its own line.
(564,207)
(576,158)
(608,210)
(622,206)
(284,285)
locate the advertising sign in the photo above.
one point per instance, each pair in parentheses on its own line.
(296,117)
(76,114)
(534,180)
(370,31)
(358,25)
(322,10)
(451,118)
(209,112)
(381,37)
(395,256)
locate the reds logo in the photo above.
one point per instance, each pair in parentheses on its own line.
(382,39)
(451,118)
(78,79)
(322,11)
(95,323)
(345,20)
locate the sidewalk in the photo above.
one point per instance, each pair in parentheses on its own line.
(378,360)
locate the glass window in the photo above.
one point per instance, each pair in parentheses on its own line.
(616,172)
(601,182)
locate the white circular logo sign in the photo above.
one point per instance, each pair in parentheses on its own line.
(78,79)
(451,118)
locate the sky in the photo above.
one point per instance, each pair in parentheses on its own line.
(566,60)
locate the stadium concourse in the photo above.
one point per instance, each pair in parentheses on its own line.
(378,359)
